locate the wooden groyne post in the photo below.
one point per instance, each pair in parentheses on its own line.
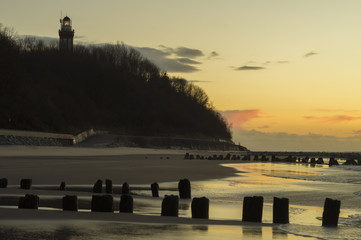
(200,208)
(280,210)
(70,203)
(155,189)
(184,188)
(252,209)
(331,212)
(170,206)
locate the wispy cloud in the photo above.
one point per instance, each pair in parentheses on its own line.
(246,68)
(309,54)
(264,127)
(335,119)
(163,58)
(237,118)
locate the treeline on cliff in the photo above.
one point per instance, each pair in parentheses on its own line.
(110,87)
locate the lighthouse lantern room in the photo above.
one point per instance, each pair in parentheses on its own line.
(66,35)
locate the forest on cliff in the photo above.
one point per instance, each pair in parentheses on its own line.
(108,87)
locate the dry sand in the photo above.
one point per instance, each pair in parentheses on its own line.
(48,166)
(75,165)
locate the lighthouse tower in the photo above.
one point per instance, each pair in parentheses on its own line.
(66,35)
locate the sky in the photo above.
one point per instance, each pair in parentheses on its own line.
(286,74)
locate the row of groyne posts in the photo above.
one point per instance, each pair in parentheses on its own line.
(274,158)
(252,205)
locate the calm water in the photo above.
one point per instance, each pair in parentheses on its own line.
(306,187)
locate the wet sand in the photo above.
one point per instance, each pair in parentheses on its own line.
(81,167)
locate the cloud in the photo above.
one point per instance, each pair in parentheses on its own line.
(183,51)
(282,62)
(40,38)
(197,81)
(213,55)
(187,61)
(357,132)
(309,54)
(264,127)
(245,67)
(162,58)
(336,118)
(281,141)
(188,52)
(237,118)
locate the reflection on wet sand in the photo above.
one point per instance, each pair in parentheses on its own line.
(110,230)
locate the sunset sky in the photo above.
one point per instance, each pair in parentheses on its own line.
(286,74)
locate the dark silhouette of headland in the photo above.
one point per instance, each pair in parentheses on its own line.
(109,87)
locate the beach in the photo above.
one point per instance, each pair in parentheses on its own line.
(225,183)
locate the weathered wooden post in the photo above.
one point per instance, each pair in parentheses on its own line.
(170,206)
(200,208)
(3,183)
(125,188)
(252,209)
(70,203)
(126,203)
(109,186)
(62,186)
(102,203)
(280,210)
(26,183)
(184,188)
(98,186)
(155,189)
(331,211)
(30,201)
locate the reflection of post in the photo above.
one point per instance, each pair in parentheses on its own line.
(252,232)
(200,228)
(252,209)
(280,210)
(331,211)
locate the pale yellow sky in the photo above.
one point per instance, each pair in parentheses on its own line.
(292,66)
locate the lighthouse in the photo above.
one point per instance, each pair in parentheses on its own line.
(66,35)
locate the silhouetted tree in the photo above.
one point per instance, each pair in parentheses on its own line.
(110,87)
